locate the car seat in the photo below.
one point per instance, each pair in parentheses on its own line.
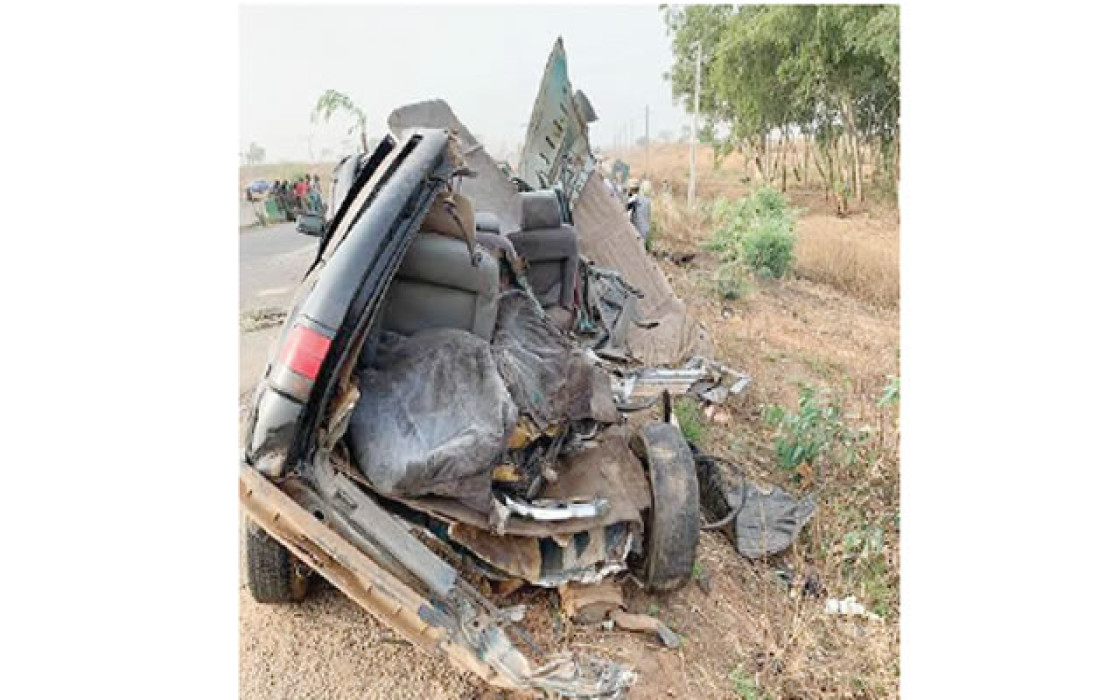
(439,285)
(552,251)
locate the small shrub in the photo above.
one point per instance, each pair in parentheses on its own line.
(811,432)
(755,232)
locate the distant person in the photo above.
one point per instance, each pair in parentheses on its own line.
(300,193)
(316,194)
(640,208)
(284,198)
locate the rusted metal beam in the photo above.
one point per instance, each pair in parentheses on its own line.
(460,632)
(379,593)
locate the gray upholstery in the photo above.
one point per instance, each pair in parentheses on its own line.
(540,210)
(438,287)
(550,247)
(486,222)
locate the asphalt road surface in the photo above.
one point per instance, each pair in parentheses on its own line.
(272,263)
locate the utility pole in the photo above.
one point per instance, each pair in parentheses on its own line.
(647,140)
(692,134)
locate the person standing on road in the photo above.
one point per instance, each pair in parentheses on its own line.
(300,192)
(316,194)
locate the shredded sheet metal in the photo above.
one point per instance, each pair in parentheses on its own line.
(433,417)
(489,188)
(608,239)
(557,148)
(606,469)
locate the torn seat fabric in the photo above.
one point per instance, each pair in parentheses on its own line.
(547,376)
(433,417)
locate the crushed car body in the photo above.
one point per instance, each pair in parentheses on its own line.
(449,394)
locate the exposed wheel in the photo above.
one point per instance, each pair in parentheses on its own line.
(273,574)
(673,521)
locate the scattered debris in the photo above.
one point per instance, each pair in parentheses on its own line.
(705,379)
(601,603)
(259,319)
(633,622)
(765,520)
(589,604)
(850,607)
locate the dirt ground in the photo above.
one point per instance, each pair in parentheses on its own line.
(760,630)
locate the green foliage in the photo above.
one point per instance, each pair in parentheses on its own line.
(690,418)
(332,102)
(756,233)
(824,70)
(815,430)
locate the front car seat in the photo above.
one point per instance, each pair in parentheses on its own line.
(551,248)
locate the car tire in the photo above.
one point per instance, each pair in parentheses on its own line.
(272,573)
(673,520)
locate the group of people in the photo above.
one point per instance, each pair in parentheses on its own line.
(303,195)
(285,199)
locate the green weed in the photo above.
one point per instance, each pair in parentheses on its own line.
(814,430)
(690,418)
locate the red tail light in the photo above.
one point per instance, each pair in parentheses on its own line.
(304,350)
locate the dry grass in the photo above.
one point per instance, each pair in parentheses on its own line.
(857,255)
(833,326)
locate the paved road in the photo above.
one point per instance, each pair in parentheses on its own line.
(272,263)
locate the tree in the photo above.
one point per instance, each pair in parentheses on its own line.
(826,73)
(254,155)
(332,102)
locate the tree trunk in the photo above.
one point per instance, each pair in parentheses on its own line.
(897,155)
(826,177)
(782,155)
(853,142)
(808,152)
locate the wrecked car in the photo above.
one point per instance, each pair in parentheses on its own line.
(426,403)
(448,399)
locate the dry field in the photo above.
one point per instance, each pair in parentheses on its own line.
(760,630)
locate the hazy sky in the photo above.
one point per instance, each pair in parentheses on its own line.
(485,60)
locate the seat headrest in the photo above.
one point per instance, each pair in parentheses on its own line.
(487,222)
(540,209)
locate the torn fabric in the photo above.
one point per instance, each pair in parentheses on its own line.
(548,378)
(433,417)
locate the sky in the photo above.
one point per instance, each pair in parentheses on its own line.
(486,61)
